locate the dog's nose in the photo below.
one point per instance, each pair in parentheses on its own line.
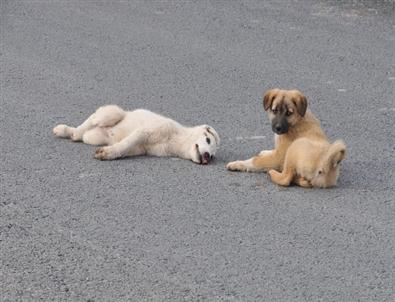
(278,128)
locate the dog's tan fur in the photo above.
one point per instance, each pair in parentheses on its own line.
(311,163)
(300,153)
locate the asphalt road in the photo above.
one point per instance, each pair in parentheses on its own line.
(73,228)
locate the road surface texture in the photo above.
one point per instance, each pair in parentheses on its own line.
(73,228)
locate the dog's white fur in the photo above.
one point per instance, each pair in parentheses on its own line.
(142,132)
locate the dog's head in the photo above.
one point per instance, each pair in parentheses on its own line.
(205,144)
(285,108)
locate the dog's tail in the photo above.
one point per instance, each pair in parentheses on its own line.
(335,154)
(108,116)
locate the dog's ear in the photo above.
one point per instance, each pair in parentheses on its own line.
(214,133)
(300,102)
(269,97)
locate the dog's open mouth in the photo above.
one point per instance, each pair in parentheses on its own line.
(205,158)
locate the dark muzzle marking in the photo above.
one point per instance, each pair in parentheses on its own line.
(280,124)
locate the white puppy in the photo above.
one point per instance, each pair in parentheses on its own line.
(142,132)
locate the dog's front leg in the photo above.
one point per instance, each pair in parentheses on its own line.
(242,165)
(268,159)
(122,148)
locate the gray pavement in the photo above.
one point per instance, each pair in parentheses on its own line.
(157,229)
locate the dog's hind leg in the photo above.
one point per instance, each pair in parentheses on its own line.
(106,116)
(74,133)
(283,178)
(63,131)
(287,175)
(130,145)
(78,133)
(96,136)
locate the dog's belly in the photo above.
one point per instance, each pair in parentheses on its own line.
(116,134)
(139,150)
(159,149)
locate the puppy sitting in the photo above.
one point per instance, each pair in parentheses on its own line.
(291,120)
(142,132)
(311,164)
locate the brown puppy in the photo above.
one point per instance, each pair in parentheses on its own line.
(291,120)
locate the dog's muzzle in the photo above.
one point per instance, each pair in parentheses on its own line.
(205,158)
(280,128)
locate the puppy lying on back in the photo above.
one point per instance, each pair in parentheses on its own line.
(142,132)
(310,163)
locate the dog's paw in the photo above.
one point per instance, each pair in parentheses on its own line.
(236,166)
(60,131)
(104,153)
(303,182)
(273,174)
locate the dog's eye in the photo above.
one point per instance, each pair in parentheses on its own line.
(197,146)
(289,113)
(274,110)
(208,140)
(319,172)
